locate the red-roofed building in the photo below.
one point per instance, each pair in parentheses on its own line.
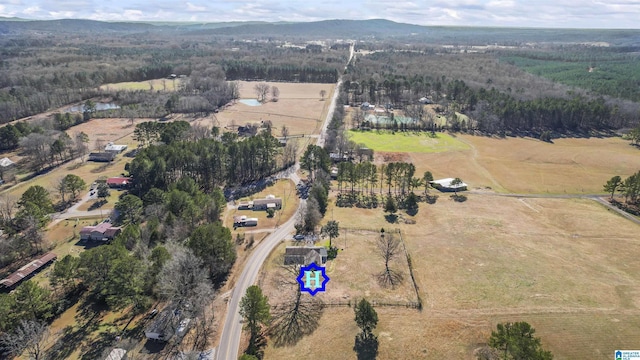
(102,232)
(28,270)
(118,182)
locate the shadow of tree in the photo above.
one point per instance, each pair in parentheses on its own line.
(366,346)
(95,349)
(431,199)
(390,278)
(459,198)
(98,204)
(71,338)
(294,320)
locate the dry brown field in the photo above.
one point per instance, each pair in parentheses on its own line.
(299,107)
(566,266)
(524,165)
(346,284)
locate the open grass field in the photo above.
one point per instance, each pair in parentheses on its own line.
(567,267)
(416,142)
(524,165)
(151,85)
(299,107)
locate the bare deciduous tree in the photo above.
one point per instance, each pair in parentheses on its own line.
(99,145)
(275,93)
(290,152)
(357,117)
(284,131)
(388,247)
(180,278)
(30,336)
(81,140)
(298,316)
(261,90)
(8,205)
(323,93)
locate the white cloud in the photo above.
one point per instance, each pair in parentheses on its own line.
(31,10)
(194,8)
(62,14)
(539,13)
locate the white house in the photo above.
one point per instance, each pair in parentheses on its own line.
(445,185)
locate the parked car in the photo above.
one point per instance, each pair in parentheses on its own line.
(298,237)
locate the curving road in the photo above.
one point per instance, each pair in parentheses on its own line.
(232,330)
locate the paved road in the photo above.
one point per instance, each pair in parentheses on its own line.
(230,339)
(232,330)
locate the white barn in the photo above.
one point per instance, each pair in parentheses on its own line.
(445,185)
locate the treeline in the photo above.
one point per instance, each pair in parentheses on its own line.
(211,163)
(242,70)
(496,96)
(629,187)
(36,76)
(609,72)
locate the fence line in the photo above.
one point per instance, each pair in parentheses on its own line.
(413,279)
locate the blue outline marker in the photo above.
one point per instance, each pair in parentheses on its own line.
(311,275)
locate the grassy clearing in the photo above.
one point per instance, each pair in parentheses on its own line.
(417,142)
(491,259)
(151,85)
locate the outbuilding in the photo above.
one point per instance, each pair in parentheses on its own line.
(119,182)
(446,186)
(113,148)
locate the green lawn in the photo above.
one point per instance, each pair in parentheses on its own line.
(407,141)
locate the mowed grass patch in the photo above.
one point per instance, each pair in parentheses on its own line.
(418,142)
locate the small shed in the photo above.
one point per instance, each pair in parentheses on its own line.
(6,162)
(116,149)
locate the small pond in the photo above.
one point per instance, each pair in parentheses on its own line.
(250,102)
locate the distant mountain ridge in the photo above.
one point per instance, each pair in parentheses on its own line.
(330,29)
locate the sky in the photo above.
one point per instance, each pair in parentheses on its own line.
(502,13)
